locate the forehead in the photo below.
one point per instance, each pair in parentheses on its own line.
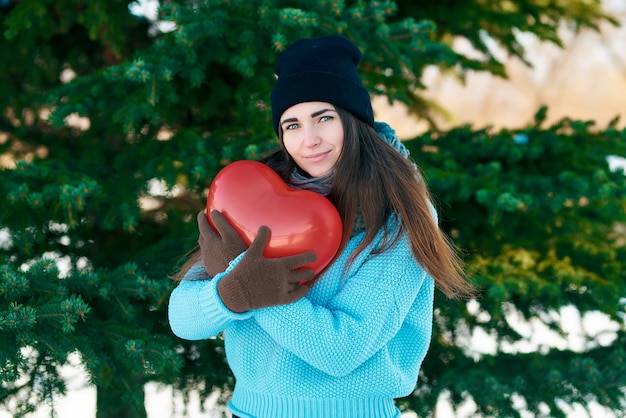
(306,109)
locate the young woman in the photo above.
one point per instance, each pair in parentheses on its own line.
(354,339)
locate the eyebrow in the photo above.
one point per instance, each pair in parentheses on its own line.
(314,114)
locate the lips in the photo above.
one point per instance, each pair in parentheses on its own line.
(317,157)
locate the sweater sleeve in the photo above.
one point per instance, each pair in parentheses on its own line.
(362,317)
(195,310)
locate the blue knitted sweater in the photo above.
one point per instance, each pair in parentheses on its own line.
(348,349)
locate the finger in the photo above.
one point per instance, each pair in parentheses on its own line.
(299,293)
(219,221)
(203,224)
(303,275)
(305,282)
(260,241)
(299,260)
(223,226)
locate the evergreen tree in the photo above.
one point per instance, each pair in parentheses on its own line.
(539,213)
(111,131)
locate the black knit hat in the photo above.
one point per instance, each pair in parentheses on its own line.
(320,70)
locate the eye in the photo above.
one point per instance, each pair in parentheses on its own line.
(326,118)
(292,126)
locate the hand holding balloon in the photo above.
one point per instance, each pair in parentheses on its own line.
(218,247)
(259,282)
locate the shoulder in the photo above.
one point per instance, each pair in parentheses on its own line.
(390,249)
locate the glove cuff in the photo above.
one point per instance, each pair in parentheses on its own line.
(233,295)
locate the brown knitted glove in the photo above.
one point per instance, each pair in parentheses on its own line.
(258,282)
(218,249)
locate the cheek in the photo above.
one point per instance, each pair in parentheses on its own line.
(290,146)
(337,139)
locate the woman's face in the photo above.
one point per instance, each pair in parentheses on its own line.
(313,136)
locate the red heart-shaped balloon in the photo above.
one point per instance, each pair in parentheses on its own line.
(250,194)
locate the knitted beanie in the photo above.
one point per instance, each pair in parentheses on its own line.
(320,70)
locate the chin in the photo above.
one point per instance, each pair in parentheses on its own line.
(317,173)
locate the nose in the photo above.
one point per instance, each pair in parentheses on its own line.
(311,137)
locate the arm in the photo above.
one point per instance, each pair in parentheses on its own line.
(362,317)
(202,308)
(195,309)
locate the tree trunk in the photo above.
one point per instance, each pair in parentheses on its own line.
(118,402)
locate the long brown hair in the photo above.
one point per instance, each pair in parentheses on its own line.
(373,177)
